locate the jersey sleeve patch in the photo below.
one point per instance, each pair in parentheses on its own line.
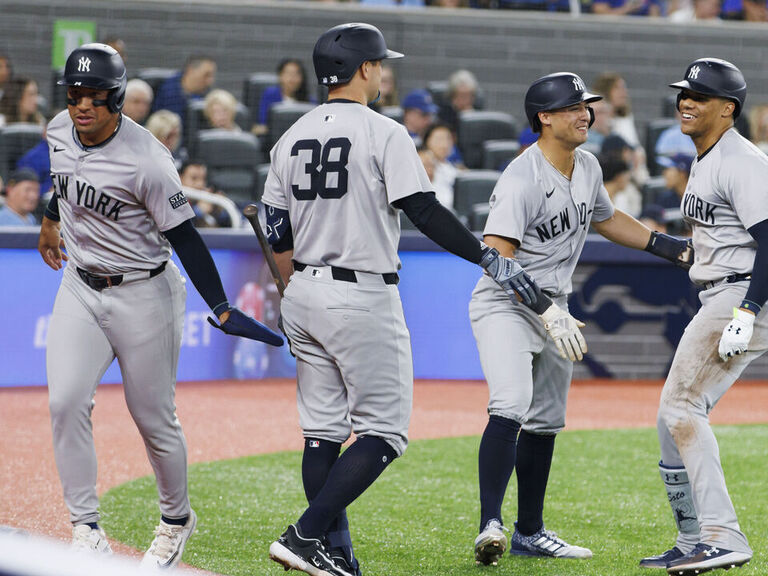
(177,200)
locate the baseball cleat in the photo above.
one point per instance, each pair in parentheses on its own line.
(341,561)
(168,546)
(661,560)
(705,557)
(308,555)
(545,543)
(92,540)
(491,543)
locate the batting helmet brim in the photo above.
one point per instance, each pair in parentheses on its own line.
(392,54)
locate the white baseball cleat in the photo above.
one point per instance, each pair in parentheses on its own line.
(92,540)
(545,543)
(491,543)
(168,546)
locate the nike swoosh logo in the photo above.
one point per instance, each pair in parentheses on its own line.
(57,149)
(548,194)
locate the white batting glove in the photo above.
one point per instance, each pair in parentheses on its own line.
(736,335)
(564,330)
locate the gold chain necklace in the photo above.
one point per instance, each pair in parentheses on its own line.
(556,168)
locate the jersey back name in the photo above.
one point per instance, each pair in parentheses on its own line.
(337,171)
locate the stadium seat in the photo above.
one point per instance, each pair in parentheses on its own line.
(58,93)
(477,126)
(669,105)
(156,76)
(262,170)
(394,112)
(195,121)
(498,153)
(652,132)
(283,115)
(253,88)
(15,141)
(472,187)
(478,217)
(652,188)
(230,157)
(439,91)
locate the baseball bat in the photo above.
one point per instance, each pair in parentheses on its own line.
(251,212)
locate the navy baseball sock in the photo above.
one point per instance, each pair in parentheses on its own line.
(496,460)
(319,456)
(92,525)
(534,459)
(175,521)
(354,471)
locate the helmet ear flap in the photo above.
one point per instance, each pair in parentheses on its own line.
(591,116)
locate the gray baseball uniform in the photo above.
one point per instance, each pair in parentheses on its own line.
(115,200)
(550,216)
(341,309)
(725,196)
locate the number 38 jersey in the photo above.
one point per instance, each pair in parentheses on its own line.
(337,171)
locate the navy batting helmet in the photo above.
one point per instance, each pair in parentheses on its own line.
(100,67)
(340,51)
(554,91)
(715,77)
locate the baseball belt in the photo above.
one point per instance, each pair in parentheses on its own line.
(98,283)
(347,275)
(730,279)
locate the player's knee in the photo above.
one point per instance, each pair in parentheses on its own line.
(68,407)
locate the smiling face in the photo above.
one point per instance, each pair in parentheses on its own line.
(94,123)
(704,117)
(569,125)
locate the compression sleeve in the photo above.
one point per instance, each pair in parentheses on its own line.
(197,261)
(757,293)
(440,225)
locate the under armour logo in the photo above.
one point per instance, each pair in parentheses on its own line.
(578,84)
(694,72)
(84,64)
(711,551)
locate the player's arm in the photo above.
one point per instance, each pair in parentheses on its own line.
(738,333)
(623,229)
(280,238)
(50,244)
(441,226)
(198,262)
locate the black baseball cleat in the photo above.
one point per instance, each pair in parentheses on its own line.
(308,555)
(661,560)
(705,557)
(340,559)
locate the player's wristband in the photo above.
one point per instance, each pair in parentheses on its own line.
(219,309)
(750,306)
(52,210)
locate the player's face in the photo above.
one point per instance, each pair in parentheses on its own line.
(94,124)
(700,114)
(571,125)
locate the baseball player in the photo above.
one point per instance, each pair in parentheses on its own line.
(118,208)
(541,210)
(338,180)
(726,204)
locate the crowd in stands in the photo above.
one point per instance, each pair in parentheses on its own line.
(221,147)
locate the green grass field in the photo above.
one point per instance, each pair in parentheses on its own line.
(420,518)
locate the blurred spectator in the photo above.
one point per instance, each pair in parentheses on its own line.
(6,72)
(527,138)
(461,95)
(449,3)
(758,120)
(116,43)
(192,83)
(291,87)
(38,159)
(21,197)
(698,10)
(602,126)
(627,7)
(428,160)
(439,140)
(677,169)
(653,217)
(672,141)
(616,178)
(755,10)
(615,144)
(19,103)
(194,174)
(418,113)
(388,90)
(220,110)
(166,127)
(394,3)
(138,100)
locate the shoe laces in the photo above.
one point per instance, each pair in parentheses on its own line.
(494,523)
(166,540)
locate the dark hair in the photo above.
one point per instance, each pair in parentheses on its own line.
(9,105)
(613,165)
(436,126)
(8,63)
(194,60)
(302,93)
(191,162)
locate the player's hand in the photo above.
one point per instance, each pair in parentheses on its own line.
(510,275)
(51,245)
(736,335)
(564,330)
(238,324)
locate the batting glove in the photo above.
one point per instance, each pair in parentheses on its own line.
(676,250)
(510,276)
(564,330)
(737,334)
(238,324)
